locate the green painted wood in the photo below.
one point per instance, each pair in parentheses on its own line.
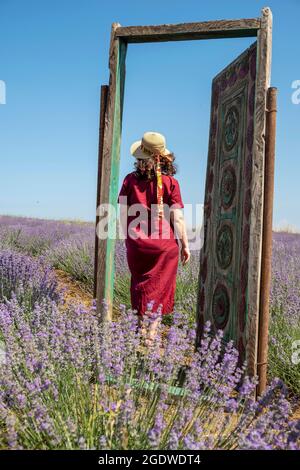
(225,260)
(115,164)
(110,159)
(150,386)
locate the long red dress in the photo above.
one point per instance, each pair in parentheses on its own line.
(152,249)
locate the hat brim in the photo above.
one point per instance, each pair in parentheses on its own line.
(137,152)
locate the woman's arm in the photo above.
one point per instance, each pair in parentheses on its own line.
(180,232)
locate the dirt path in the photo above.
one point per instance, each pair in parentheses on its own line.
(296,414)
(74,292)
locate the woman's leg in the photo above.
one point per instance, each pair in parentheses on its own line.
(149,328)
(153,329)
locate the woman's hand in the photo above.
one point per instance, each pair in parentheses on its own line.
(185,255)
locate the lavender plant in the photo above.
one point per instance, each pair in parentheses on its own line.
(285,309)
(68,382)
(28,279)
(70,246)
(122,277)
(36,236)
(75,256)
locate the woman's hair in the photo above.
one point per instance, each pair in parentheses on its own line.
(144,168)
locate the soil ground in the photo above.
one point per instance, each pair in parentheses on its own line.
(74,291)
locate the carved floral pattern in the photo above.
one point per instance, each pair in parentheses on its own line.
(222,181)
(220,306)
(224,248)
(228,186)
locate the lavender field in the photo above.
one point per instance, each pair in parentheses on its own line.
(69,383)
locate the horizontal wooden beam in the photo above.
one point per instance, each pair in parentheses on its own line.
(189,31)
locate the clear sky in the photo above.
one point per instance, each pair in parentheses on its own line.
(54,57)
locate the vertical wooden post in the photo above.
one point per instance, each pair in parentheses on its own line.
(110,174)
(266,263)
(263,65)
(103,103)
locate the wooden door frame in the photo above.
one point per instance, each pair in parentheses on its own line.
(109,148)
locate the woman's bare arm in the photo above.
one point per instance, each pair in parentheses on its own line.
(178,222)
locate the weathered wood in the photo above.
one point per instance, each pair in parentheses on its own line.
(224,261)
(264,45)
(105,170)
(110,171)
(103,104)
(266,265)
(190,31)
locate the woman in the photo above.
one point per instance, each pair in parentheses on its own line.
(151,202)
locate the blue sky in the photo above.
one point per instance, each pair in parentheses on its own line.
(54,57)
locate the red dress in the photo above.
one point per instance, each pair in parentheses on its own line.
(152,248)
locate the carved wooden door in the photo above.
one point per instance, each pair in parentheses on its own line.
(227,275)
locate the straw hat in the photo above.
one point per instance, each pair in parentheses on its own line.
(152,143)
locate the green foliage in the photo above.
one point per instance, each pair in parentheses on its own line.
(283,335)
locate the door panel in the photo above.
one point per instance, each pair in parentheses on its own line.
(224,259)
